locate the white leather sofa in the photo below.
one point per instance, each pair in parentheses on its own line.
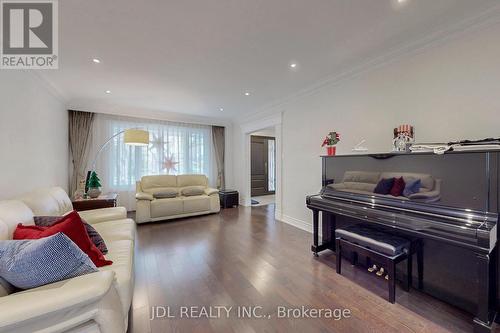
(364,182)
(97,302)
(151,209)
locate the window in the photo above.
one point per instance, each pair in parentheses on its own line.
(271,150)
(174,148)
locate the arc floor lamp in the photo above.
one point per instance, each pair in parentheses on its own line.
(132,137)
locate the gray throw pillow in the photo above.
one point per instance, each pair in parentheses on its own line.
(193,190)
(95,237)
(168,193)
(27,264)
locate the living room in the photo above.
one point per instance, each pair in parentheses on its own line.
(129,196)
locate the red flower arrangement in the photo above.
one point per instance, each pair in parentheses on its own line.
(331,139)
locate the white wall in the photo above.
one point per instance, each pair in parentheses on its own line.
(448,92)
(33,135)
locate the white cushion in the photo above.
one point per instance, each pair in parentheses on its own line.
(367,187)
(100,215)
(13,212)
(167,207)
(121,252)
(150,182)
(4,230)
(192,180)
(361,177)
(48,202)
(195,204)
(116,230)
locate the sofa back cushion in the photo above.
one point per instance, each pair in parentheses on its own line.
(427,180)
(155,182)
(4,230)
(13,212)
(361,177)
(48,201)
(192,180)
(360,180)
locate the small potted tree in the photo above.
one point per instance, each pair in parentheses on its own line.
(94,185)
(330,141)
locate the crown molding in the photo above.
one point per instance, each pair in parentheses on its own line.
(261,123)
(145,113)
(441,36)
(52,89)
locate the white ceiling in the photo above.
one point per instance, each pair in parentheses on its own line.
(195,56)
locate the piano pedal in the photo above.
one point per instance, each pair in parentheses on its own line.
(380,272)
(372,269)
(387,277)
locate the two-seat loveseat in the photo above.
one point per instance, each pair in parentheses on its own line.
(364,182)
(167,197)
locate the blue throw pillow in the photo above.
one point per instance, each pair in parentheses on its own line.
(412,187)
(384,186)
(32,263)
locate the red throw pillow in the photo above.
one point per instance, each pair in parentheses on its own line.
(72,226)
(398,187)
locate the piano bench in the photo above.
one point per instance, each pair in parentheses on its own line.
(381,247)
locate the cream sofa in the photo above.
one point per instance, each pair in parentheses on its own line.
(97,302)
(364,182)
(151,209)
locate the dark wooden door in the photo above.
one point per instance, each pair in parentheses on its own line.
(260,165)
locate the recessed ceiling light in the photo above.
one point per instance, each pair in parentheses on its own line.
(247,93)
(402,1)
(293,65)
(108,91)
(221,109)
(97,61)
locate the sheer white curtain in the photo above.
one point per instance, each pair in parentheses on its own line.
(120,165)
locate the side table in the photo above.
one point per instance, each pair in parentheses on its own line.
(103,201)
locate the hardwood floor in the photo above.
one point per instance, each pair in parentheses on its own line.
(243,257)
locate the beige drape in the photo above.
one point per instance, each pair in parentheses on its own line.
(218,138)
(80,130)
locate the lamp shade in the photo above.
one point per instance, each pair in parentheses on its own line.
(135,137)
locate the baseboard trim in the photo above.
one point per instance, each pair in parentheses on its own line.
(303,225)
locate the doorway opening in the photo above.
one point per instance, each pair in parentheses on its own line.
(263,167)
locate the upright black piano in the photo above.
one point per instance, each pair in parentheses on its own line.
(455,214)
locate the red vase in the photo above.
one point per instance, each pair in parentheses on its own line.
(331,150)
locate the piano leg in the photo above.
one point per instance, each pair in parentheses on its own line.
(420,263)
(328,231)
(486,313)
(315,245)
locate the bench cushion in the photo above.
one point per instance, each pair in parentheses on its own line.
(374,238)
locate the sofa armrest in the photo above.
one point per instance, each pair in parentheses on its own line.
(103,214)
(144,196)
(210,191)
(66,301)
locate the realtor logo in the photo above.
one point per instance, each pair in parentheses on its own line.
(29,34)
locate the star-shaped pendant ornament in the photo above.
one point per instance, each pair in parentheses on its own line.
(170,164)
